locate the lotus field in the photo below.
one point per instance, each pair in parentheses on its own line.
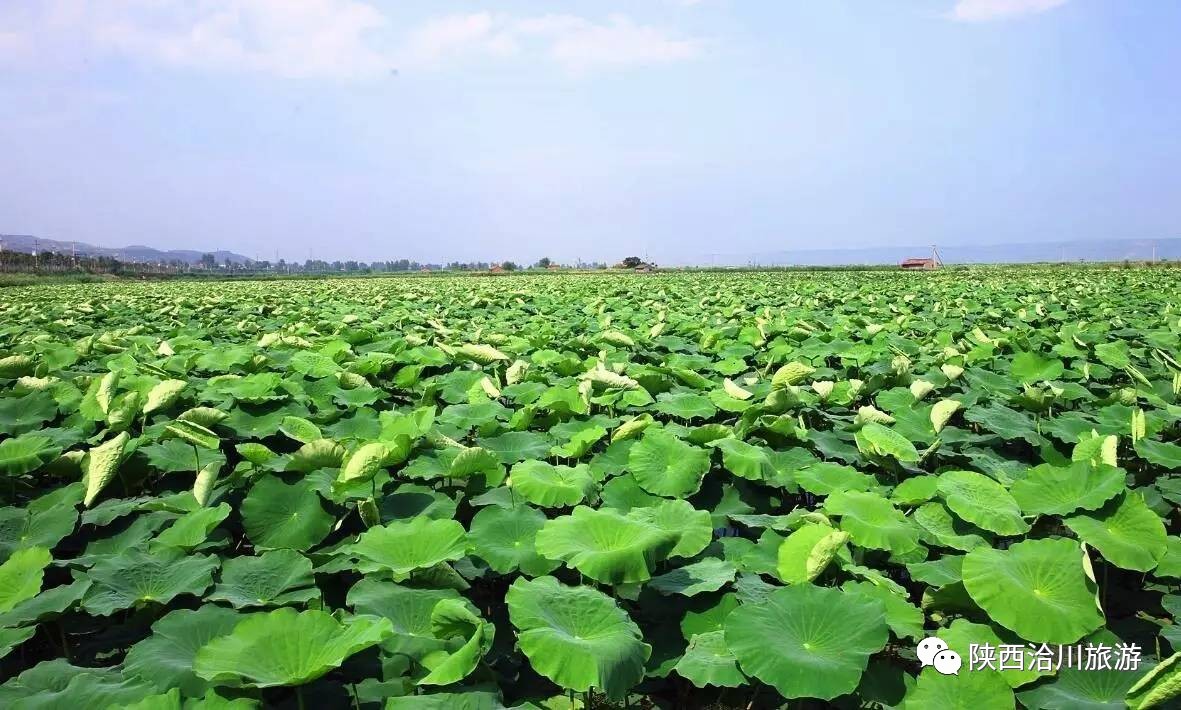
(745,490)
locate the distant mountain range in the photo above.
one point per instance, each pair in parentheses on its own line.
(1071,251)
(134,254)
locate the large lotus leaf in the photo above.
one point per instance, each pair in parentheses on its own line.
(903,618)
(807,551)
(685,405)
(745,460)
(102,465)
(165,659)
(453,618)
(1159,686)
(299,429)
(693,528)
(163,395)
(172,455)
(1159,453)
(135,577)
(275,578)
(1059,490)
(515,446)
(807,641)
(364,463)
(1037,588)
(477,700)
(1079,689)
(604,545)
(577,636)
(57,685)
(408,609)
(873,522)
(666,466)
(982,501)
(1125,531)
(708,575)
(881,440)
(707,661)
(278,515)
(26,453)
(48,604)
(286,647)
(321,453)
(21,414)
(21,576)
(945,529)
(963,634)
(404,546)
(550,486)
(965,691)
(825,477)
(505,538)
(193,433)
(11,638)
(191,529)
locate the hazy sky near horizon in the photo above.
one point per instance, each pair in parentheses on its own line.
(439,130)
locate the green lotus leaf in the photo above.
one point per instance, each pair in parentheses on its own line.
(286,647)
(46,605)
(808,551)
(364,463)
(685,405)
(708,575)
(550,486)
(982,501)
(946,570)
(1037,588)
(102,462)
(947,530)
(472,460)
(516,446)
(299,429)
(666,466)
(942,412)
(793,373)
(278,515)
(21,414)
(745,460)
(57,684)
(275,578)
(879,440)
(1079,689)
(195,434)
(873,522)
(605,546)
(903,618)
(204,481)
(966,691)
(1170,563)
(314,365)
(576,636)
(915,491)
(825,477)
(192,528)
(11,638)
(483,354)
(174,455)
(1159,686)
(707,661)
(314,455)
(479,700)
(25,453)
(962,634)
(632,428)
(402,547)
(163,395)
(41,523)
(692,529)
(207,417)
(1125,531)
(453,618)
(505,539)
(21,576)
(1159,453)
(255,453)
(409,610)
(807,641)
(1059,490)
(580,442)
(136,577)
(165,659)
(14,366)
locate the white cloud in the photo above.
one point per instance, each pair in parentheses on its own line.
(575,43)
(321,39)
(988,10)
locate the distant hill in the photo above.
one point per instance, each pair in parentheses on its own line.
(1071,251)
(133,254)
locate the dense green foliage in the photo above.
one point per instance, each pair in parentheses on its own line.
(674,490)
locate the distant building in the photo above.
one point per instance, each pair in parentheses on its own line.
(497,269)
(554,267)
(919,264)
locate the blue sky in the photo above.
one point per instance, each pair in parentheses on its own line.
(440,130)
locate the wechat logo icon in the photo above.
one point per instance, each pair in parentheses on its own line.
(933,651)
